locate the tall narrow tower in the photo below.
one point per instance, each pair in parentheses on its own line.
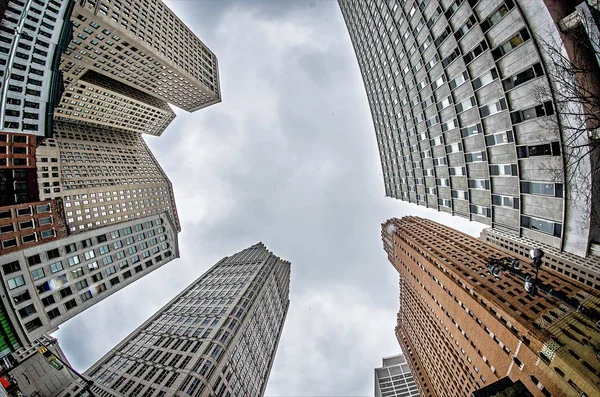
(218,337)
(394,378)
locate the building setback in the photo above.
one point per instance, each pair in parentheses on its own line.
(96,99)
(463,112)
(584,270)
(394,378)
(33,35)
(103,176)
(45,285)
(142,44)
(216,338)
(462,329)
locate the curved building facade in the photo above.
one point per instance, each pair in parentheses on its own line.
(464,112)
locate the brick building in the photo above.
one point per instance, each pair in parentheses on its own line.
(463,329)
(29,224)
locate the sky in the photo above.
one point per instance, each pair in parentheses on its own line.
(288,158)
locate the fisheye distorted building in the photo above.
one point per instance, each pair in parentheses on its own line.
(142,44)
(216,338)
(85,207)
(462,329)
(461,104)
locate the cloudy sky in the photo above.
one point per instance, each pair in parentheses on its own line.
(288,158)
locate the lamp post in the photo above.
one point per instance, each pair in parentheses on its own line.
(532,285)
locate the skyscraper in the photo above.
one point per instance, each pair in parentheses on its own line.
(103,176)
(45,285)
(394,378)
(461,104)
(462,329)
(142,44)
(218,337)
(32,37)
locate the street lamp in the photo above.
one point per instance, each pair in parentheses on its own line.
(532,285)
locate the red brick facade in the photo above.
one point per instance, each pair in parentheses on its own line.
(464,329)
(25,225)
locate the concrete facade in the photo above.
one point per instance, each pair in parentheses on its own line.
(36,378)
(33,34)
(103,176)
(96,99)
(216,338)
(452,89)
(462,329)
(143,44)
(45,285)
(394,379)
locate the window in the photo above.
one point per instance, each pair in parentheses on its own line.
(485,79)
(74,260)
(104,249)
(101,238)
(37,274)
(33,325)
(7,228)
(492,108)
(519,116)
(56,267)
(89,254)
(27,311)
(70,304)
(503,170)
(505,201)
(111,270)
(512,43)
(21,297)
(499,139)
(107,260)
(77,272)
(480,210)
(93,266)
(53,313)
(475,157)
(66,292)
(497,15)
(11,267)
(53,253)
(546,149)
(81,285)
(542,188)
(15,282)
(471,130)
(542,225)
(479,184)
(522,77)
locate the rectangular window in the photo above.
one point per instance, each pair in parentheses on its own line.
(542,188)
(545,149)
(74,260)
(509,45)
(503,170)
(11,267)
(479,184)
(542,225)
(56,267)
(480,210)
(522,77)
(492,108)
(15,282)
(471,130)
(37,274)
(519,116)
(475,157)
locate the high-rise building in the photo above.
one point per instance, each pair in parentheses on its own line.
(394,378)
(584,270)
(216,338)
(32,36)
(45,285)
(96,99)
(461,105)
(142,44)
(462,328)
(103,176)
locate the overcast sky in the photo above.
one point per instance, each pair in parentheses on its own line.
(288,158)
